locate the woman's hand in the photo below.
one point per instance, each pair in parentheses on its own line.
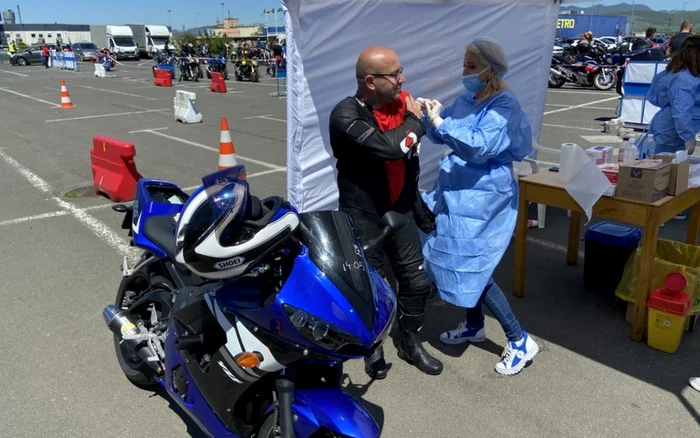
(434,110)
(690,146)
(422,104)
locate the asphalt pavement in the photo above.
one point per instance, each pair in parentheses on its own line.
(62,248)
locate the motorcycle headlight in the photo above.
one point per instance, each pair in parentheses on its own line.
(318,331)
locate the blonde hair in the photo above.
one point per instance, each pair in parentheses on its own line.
(494,82)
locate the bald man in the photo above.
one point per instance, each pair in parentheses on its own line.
(375,137)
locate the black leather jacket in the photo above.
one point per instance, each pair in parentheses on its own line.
(361,150)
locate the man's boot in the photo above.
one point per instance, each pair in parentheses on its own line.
(375,365)
(410,348)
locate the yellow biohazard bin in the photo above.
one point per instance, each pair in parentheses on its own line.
(668,309)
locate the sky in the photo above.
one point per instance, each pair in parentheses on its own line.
(183,12)
(654,4)
(198,13)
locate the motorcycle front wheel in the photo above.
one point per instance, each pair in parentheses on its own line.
(606,82)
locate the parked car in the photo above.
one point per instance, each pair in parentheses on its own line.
(85,50)
(558,50)
(29,55)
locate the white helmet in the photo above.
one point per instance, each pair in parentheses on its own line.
(224,232)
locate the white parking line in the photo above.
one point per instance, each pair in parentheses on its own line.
(60,213)
(598,93)
(97,227)
(551,245)
(266,117)
(115,92)
(249,176)
(147,130)
(33,218)
(550,125)
(209,148)
(581,105)
(14,73)
(55,105)
(98,116)
(588,107)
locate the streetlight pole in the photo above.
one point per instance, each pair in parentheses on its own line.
(222,13)
(170,19)
(632,24)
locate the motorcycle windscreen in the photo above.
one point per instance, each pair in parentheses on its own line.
(227,191)
(334,247)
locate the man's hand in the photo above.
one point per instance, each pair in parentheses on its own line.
(413,107)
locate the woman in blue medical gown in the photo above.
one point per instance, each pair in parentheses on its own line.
(475,200)
(677,92)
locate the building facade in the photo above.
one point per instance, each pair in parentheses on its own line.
(32,34)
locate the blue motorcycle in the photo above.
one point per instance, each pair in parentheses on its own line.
(260,355)
(217,64)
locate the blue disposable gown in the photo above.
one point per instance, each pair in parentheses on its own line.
(678,96)
(475,199)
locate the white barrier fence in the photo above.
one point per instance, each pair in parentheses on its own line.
(635,110)
(62,61)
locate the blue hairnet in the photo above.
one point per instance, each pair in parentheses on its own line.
(492,52)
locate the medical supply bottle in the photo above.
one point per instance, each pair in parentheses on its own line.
(648,147)
(628,151)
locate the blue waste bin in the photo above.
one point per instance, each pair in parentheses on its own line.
(608,246)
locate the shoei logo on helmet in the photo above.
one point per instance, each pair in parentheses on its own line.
(229,263)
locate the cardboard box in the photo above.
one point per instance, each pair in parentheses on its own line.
(645,181)
(600,154)
(680,175)
(611,171)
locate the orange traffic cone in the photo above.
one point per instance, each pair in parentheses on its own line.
(65,97)
(227,153)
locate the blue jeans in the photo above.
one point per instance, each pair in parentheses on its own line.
(496,302)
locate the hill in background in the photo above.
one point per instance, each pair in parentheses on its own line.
(644,16)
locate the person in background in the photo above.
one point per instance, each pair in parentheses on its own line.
(676,91)
(647,42)
(12,48)
(375,137)
(584,46)
(677,39)
(47,53)
(475,201)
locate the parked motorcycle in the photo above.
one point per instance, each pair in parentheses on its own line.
(260,355)
(217,64)
(165,62)
(587,73)
(247,68)
(189,69)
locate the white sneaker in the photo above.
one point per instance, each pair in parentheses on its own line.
(516,355)
(695,383)
(463,333)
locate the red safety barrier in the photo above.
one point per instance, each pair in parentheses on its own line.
(218,85)
(163,78)
(113,169)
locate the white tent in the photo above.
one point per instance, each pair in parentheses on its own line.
(324,38)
